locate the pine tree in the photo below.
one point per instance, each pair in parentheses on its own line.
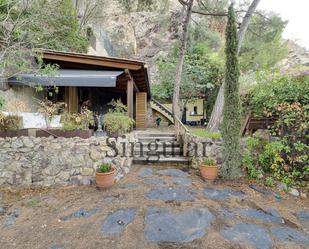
(232,109)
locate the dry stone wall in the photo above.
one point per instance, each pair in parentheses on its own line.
(61,161)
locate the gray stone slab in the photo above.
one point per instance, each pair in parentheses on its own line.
(287,234)
(270,215)
(115,198)
(218,194)
(248,234)
(171,194)
(116,222)
(145,172)
(81,213)
(11,218)
(164,226)
(184,181)
(129,186)
(173,172)
(153,182)
(303,215)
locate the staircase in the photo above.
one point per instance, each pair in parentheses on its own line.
(158,148)
(163,110)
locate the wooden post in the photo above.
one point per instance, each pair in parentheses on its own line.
(4,85)
(71,98)
(130,96)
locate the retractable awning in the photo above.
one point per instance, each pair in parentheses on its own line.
(68,77)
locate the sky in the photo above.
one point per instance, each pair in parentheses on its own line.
(297,13)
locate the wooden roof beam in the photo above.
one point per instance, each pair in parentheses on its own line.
(91,61)
(130,77)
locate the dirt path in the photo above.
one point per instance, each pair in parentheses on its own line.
(152,208)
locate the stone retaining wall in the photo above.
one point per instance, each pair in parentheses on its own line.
(62,161)
(202,148)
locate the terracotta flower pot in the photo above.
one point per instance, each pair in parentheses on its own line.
(209,172)
(105,180)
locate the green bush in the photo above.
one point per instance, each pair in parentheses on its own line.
(288,163)
(286,99)
(250,160)
(116,121)
(105,168)
(269,182)
(273,89)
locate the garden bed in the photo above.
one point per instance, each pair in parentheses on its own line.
(47,133)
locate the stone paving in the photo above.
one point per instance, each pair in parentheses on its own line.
(172,206)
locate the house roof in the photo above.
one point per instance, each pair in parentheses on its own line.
(137,69)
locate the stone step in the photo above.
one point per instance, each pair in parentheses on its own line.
(161,160)
(159,149)
(163,134)
(159,139)
(159,145)
(148,153)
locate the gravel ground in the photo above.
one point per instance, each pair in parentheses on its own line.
(151,208)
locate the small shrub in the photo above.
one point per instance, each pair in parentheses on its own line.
(105,168)
(49,109)
(10,122)
(269,182)
(117,121)
(209,162)
(77,121)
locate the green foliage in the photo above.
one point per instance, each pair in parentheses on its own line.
(205,133)
(26,27)
(269,182)
(250,160)
(60,29)
(143,5)
(231,112)
(272,89)
(10,122)
(202,74)
(77,121)
(105,168)
(35,201)
(285,98)
(209,162)
(288,163)
(263,47)
(116,121)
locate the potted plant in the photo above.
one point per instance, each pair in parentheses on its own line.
(105,176)
(209,169)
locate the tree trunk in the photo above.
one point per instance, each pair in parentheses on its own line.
(216,115)
(182,53)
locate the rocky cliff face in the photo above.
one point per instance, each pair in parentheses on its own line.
(297,56)
(136,35)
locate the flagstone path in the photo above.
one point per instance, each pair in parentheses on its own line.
(153,208)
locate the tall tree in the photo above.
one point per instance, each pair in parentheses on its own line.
(182,52)
(231,124)
(216,115)
(28,25)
